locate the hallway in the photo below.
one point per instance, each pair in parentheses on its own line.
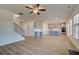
(46,45)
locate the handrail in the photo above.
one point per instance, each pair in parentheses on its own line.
(18,29)
(18,26)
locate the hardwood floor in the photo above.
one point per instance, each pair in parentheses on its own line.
(46,45)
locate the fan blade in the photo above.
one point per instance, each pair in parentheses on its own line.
(42,9)
(28,7)
(37,5)
(31,12)
(38,13)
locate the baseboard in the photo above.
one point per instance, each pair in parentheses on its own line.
(74,41)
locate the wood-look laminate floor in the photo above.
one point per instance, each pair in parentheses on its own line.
(46,45)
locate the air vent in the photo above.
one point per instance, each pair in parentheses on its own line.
(20,13)
(68,7)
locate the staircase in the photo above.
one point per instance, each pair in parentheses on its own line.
(18,29)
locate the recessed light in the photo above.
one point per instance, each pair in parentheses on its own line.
(17,15)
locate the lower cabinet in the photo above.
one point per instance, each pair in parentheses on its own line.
(37,34)
(56,33)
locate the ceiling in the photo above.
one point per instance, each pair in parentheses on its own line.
(54,12)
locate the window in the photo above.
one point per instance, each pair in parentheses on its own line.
(76,25)
(67,28)
(77,32)
(73,27)
(70,24)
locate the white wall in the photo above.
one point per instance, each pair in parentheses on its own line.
(7,35)
(16,19)
(69,28)
(29,28)
(45,28)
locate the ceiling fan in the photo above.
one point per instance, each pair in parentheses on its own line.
(35,9)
